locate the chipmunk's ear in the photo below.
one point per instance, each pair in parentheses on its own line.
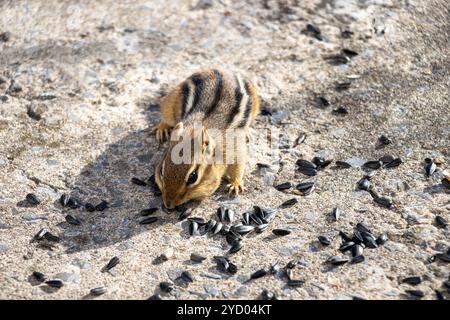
(177,132)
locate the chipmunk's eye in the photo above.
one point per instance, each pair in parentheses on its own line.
(192,177)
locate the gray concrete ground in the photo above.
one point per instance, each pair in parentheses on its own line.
(94,72)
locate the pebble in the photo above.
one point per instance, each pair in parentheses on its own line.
(3,248)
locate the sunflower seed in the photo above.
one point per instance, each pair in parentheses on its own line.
(364,184)
(38,276)
(155,297)
(184,214)
(255,219)
(336,213)
(64,199)
(246,218)
(306,167)
(40,234)
(289,203)
(166,286)
(349,53)
(382,239)
(148,220)
(445,257)
(346,34)
(305,188)
(222,264)
(415,280)
(102,205)
(430,168)
(197,257)
(274,267)
(376,164)
(111,264)
(324,240)
(337,59)
(243,230)
(346,246)
(221,213)
(232,268)
(337,260)
(344,236)
(362,227)
(54,283)
(258,274)
(441,222)
(284,186)
(229,215)
(89,207)
(394,163)
(32,199)
(313,31)
(193,228)
(261,228)
(387,159)
(147,212)
(357,259)
(341,86)
(281,232)
(384,201)
(384,140)
(217,228)
(231,238)
(357,250)
(98,291)
(269,214)
(416,293)
(343,164)
(291,264)
(138,182)
(300,139)
(50,237)
(235,247)
(295,283)
(320,162)
(323,102)
(73,220)
(151,182)
(187,276)
(198,220)
(74,203)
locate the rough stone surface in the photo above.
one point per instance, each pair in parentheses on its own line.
(94,72)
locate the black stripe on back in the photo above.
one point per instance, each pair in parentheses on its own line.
(238,98)
(218,93)
(248,108)
(185,93)
(198,86)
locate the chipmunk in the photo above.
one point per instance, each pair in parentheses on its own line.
(211,101)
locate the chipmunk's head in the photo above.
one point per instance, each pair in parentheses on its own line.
(187,170)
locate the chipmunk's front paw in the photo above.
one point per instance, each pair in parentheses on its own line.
(235,188)
(162,132)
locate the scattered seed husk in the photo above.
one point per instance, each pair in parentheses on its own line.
(358,259)
(235,247)
(364,184)
(89,207)
(197,257)
(148,220)
(343,164)
(441,222)
(102,205)
(349,52)
(72,220)
(341,86)
(187,276)
(376,164)
(258,274)
(281,232)
(337,59)
(54,283)
(289,203)
(382,239)
(305,188)
(284,186)
(51,237)
(38,276)
(416,293)
(193,228)
(295,283)
(430,168)
(336,213)
(394,163)
(166,286)
(98,291)
(324,240)
(337,260)
(414,280)
(148,211)
(111,264)
(369,240)
(32,199)
(138,182)
(387,159)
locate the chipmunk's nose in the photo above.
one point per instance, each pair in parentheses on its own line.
(169,204)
